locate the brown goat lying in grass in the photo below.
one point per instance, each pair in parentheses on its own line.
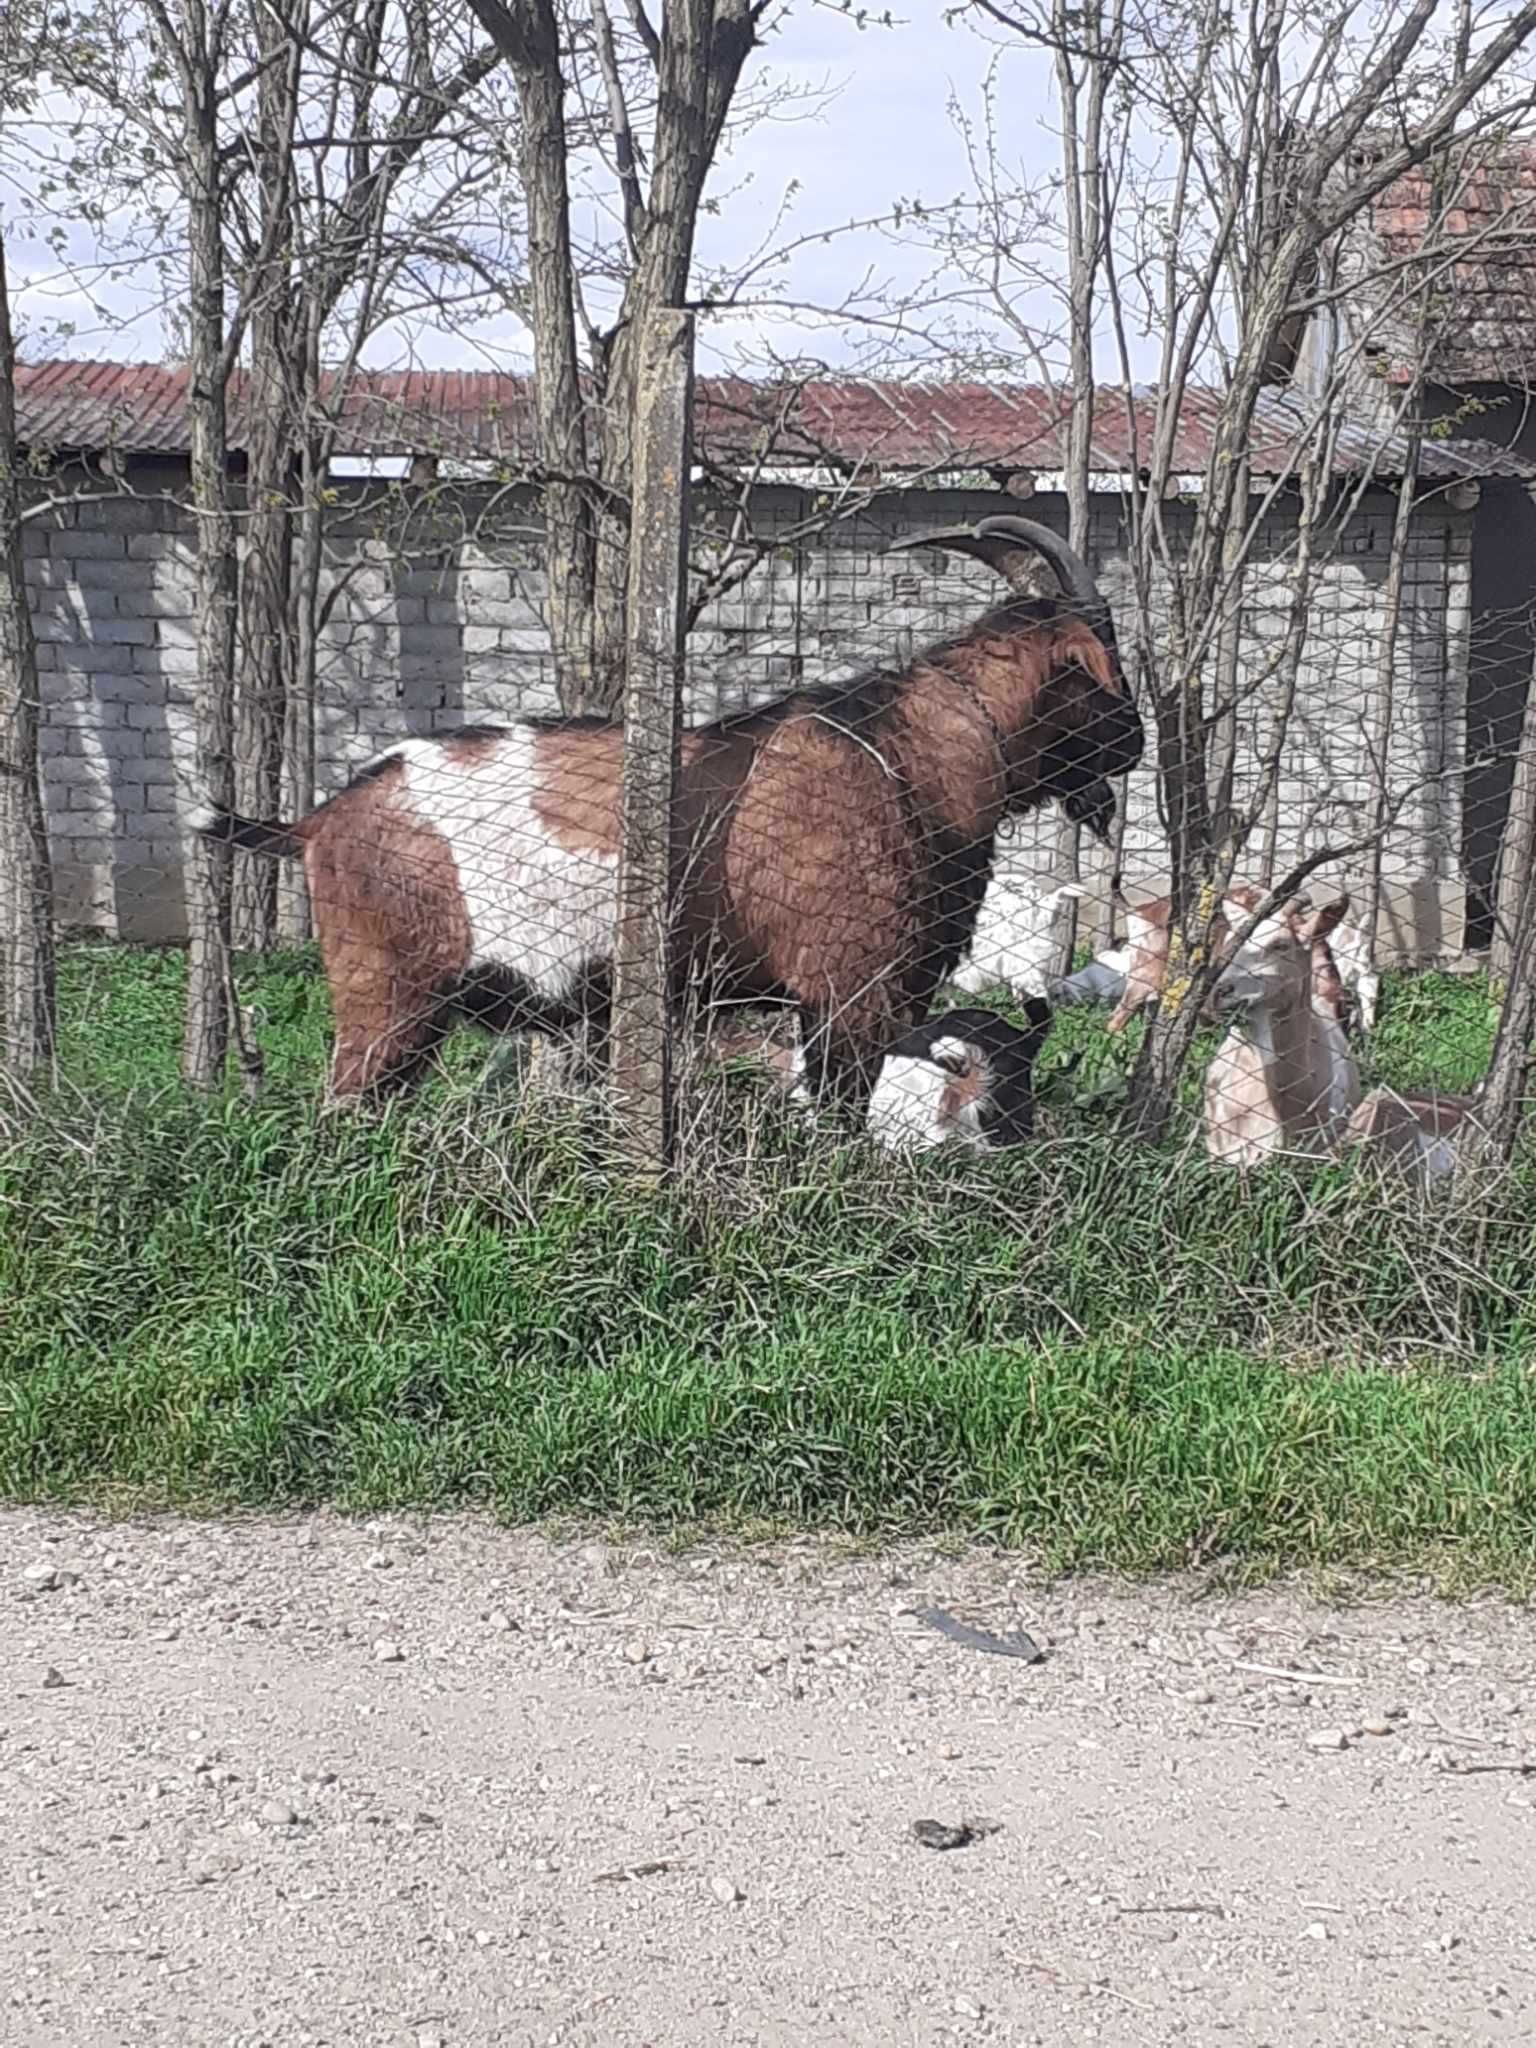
(830,849)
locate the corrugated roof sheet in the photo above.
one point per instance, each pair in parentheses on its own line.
(907,429)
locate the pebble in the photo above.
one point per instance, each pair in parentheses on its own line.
(637,1653)
(1377,1724)
(968,2008)
(42,1578)
(1317,1930)
(429,2037)
(53,1679)
(501,1621)
(1202,1696)
(1328,1738)
(276,1813)
(387,1652)
(379,1561)
(726,1891)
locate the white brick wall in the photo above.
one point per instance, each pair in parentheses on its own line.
(436,619)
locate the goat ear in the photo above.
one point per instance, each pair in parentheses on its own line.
(1325,920)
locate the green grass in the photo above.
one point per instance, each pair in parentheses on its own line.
(1104,1355)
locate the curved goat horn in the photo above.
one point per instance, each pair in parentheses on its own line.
(1005,542)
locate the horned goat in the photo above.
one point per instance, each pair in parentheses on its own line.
(831,849)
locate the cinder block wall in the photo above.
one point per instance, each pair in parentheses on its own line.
(434,617)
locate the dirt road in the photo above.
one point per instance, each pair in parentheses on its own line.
(297,1782)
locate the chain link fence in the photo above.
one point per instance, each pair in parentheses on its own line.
(912,842)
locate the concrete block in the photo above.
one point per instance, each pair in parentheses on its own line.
(129,515)
(81,543)
(161,547)
(136,632)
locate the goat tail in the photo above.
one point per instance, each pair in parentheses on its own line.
(247,835)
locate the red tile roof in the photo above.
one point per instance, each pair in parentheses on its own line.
(907,429)
(1486,333)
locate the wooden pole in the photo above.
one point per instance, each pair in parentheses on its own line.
(658,588)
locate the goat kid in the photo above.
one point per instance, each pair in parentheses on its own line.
(830,849)
(964,1078)
(1283,1080)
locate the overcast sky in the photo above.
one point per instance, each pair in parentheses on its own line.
(880,129)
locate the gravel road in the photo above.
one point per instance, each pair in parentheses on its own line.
(303,1781)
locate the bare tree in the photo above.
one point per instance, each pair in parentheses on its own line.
(689,69)
(27,1015)
(26,874)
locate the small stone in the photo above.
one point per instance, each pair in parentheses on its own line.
(726,1891)
(53,1679)
(637,1653)
(1377,1724)
(1447,1942)
(429,2037)
(387,1652)
(501,1621)
(1328,1738)
(1317,1930)
(41,1578)
(1202,1696)
(379,1561)
(968,2008)
(1293,1696)
(319,1778)
(276,1813)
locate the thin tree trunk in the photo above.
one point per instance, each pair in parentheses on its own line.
(266,637)
(294,926)
(208,1024)
(1384,708)
(1229,646)
(1491,1144)
(26,875)
(527,33)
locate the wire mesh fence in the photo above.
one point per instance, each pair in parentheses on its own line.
(968,837)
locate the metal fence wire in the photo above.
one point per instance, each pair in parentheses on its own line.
(929,830)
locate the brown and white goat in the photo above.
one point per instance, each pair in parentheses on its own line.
(1283,1080)
(830,849)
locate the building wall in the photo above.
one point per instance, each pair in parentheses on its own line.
(434,617)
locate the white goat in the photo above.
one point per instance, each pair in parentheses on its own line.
(1283,1079)
(1019,933)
